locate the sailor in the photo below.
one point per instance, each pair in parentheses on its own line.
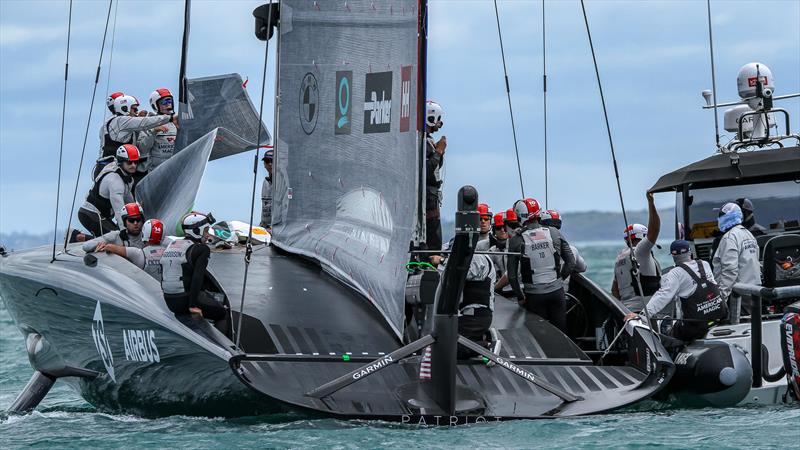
(500,261)
(701,305)
(110,192)
(552,218)
(122,128)
(132,215)
(266,191)
(159,142)
(477,302)
(512,222)
(540,267)
(183,266)
(749,217)
(736,258)
(110,104)
(147,258)
(485,224)
(642,239)
(434,160)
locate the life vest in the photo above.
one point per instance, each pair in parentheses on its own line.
(103,204)
(152,260)
(174,265)
(626,278)
(705,303)
(476,293)
(110,146)
(163,145)
(541,261)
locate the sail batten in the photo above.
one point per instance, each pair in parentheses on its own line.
(346,157)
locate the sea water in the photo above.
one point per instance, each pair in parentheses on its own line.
(64,420)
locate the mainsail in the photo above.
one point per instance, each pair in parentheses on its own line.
(346,178)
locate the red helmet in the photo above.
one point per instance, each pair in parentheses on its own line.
(527,209)
(550,218)
(153,232)
(131,210)
(499,220)
(127,152)
(158,95)
(483,210)
(511,216)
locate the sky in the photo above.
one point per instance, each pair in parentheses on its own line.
(653,59)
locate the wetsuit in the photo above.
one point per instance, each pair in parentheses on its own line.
(183,266)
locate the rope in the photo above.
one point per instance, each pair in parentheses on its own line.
(544,105)
(629,241)
(61,145)
(713,75)
(88,121)
(508,95)
(111,57)
(249,248)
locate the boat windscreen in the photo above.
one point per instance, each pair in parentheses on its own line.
(169,191)
(220,102)
(346,153)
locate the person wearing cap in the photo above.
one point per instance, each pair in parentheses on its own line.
(693,283)
(736,258)
(485,224)
(434,160)
(132,217)
(749,217)
(540,259)
(266,191)
(641,239)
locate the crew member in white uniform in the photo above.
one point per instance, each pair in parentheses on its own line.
(159,142)
(147,258)
(112,189)
(736,258)
(475,311)
(693,283)
(131,236)
(642,238)
(485,224)
(266,191)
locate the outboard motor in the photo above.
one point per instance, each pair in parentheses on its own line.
(790,347)
(711,373)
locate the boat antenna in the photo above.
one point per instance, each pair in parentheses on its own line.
(183,94)
(111,56)
(88,121)
(61,145)
(508,95)
(713,75)
(629,240)
(249,246)
(544,104)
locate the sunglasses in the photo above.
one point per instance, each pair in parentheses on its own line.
(131,162)
(486,219)
(166,101)
(134,219)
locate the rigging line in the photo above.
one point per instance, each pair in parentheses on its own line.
(88,122)
(61,145)
(713,75)
(249,248)
(508,95)
(111,57)
(544,105)
(629,240)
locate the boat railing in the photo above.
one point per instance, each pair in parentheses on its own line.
(757,294)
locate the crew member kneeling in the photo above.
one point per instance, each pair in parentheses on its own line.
(183,270)
(477,301)
(701,305)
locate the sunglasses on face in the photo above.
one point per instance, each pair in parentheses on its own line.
(485,219)
(133,219)
(167,101)
(132,163)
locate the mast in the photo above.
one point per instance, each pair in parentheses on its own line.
(422,97)
(183,94)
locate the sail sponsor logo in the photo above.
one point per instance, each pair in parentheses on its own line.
(378,102)
(140,345)
(405,98)
(100,341)
(374,367)
(309,103)
(344,96)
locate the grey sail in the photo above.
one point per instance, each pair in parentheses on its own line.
(345,188)
(170,190)
(220,102)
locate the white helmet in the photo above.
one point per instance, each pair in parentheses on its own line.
(222,235)
(433,113)
(124,104)
(635,231)
(527,209)
(152,232)
(110,101)
(196,224)
(158,95)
